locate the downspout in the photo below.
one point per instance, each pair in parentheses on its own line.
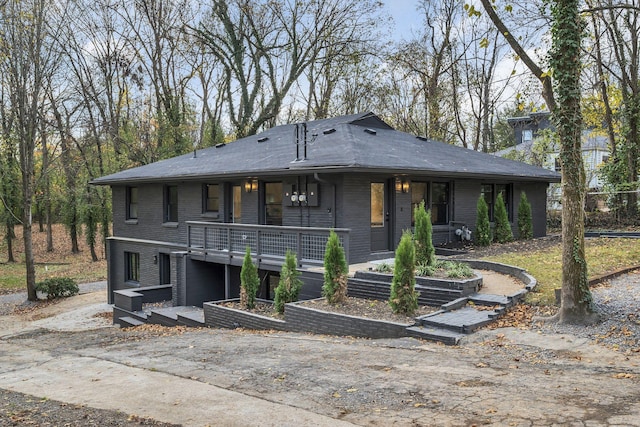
(333,187)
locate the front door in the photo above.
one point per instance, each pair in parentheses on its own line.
(164,261)
(380,224)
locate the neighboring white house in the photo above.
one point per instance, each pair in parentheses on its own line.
(595,150)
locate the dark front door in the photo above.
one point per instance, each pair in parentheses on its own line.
(380,224)
(164,262)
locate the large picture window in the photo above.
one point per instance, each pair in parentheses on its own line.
(171,203)
(440,203)
(211,196)
(132,266)
(132,202)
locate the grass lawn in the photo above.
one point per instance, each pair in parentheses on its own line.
(59,263)
(603,256)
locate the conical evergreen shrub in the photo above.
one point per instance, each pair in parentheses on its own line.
(404,298)
(249,281)
(503,233)
(525,224)
(289,286)
(425,252)
(336,271)
(483,227)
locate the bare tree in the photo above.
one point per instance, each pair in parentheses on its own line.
(25,31)
(264,47)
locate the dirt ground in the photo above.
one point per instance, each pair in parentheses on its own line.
(196,377)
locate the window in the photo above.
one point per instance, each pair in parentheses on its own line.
(505,190)
(558,166)
(132,202)
(211,198)
(490,193)
(486,191)
(236,214)
(171,203)
(440,203)
(419,192)
(132,266)
(273,203)
(377,204)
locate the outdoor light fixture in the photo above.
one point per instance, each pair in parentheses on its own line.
(402,185)
(250,185)
(155,259)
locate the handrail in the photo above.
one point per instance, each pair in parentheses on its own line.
(267,242)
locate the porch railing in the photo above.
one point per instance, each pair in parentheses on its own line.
(267,242)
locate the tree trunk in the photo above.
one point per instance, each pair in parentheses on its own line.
(27,222)
(577,304)
(46,196)
(9,237)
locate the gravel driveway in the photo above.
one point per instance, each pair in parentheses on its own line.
(540,375)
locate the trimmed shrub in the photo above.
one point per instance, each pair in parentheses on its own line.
(336,271)
(425,252)
(503,233)
(249,281)
(525,225)
(58,287)
(289,286)
(483,227)
(404,298)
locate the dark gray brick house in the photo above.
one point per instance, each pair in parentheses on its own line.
(187,221)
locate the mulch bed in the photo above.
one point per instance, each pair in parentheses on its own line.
(368,308)
(359,307)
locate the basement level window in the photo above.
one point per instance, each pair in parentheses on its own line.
(132,267)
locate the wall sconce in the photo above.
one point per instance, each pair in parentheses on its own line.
(402,185)
(251,185)
(155,259)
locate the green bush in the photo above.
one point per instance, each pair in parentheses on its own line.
(525,225)
(58,287)
(458,270)
(425,252)
(426,270)
(404,298)
(249,281)
(503,233)
(453,269)
(483,228)
(336,271)
(289,286)
(383,267)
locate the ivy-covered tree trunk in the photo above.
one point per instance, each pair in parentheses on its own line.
(577,304)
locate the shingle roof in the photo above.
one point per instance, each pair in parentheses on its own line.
(360,142)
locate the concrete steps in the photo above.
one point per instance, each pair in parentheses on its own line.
(463,320)
(169,316)
(444,336)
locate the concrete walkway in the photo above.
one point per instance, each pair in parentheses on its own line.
(107,385)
